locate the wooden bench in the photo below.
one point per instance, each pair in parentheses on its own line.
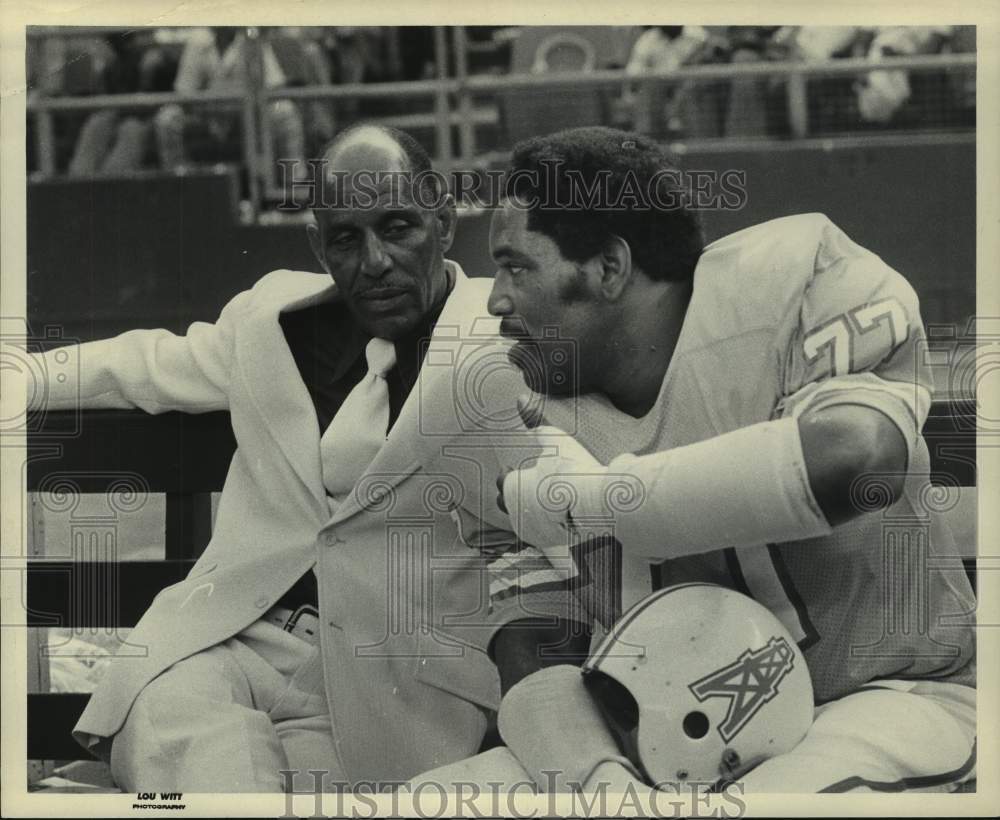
(186,457)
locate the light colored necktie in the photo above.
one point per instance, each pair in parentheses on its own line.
(359,429)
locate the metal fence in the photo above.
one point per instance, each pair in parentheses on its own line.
(473,120)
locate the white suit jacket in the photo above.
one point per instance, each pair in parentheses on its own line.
(403,590)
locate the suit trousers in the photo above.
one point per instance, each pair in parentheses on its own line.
(230,719)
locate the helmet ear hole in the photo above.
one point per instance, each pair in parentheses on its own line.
(695,725)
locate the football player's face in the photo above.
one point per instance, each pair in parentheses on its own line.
(544,303)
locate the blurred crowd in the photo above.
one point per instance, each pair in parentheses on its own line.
(752,106)
(195,61)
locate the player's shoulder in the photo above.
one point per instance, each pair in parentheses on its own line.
(789,250)
(762,275)
(779,229)
(779,250)
(755,278)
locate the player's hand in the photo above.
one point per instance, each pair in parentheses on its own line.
(542,495)
(531,417)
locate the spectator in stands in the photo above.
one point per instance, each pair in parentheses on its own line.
(749,108)
(219,60)
(815,44)
(883,93)
(665,48)
(963,82)
(417,54)
(114,141)
(76,66)
(304,62)
(355,55)
(357,50)
(662,108)
(45,68)
(830,100)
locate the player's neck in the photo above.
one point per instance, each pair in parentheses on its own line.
(647,337)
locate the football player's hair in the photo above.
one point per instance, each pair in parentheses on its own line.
(549,174)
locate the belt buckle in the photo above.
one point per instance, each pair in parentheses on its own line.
(293,626)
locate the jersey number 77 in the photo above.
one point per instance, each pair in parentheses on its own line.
(839,339)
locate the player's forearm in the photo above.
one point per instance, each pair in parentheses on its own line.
(778,481)
(746,487)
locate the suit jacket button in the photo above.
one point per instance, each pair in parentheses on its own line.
(261,602)
(330,538)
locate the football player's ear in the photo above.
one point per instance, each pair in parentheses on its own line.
(615,267)
(316,243)
(447,218)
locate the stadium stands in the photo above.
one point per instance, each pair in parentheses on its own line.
(731,83)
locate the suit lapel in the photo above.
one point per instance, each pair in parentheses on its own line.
(272,377)
(409,447)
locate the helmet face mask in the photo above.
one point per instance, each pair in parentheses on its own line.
(700,683)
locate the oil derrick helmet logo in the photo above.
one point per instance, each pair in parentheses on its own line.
(748,683)
(727,663)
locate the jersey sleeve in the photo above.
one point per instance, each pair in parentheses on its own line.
(524,584)
(858,339)
(521,582)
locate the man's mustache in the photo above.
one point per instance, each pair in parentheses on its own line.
(383,289)
(514,327)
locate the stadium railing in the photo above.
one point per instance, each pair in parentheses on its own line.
(129,455)
(474,119)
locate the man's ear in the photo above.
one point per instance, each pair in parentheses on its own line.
(316,243)
(447,217)
(614,267)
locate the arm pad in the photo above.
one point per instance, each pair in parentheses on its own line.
(742,488)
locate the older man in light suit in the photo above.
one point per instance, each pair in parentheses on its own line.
(336,620)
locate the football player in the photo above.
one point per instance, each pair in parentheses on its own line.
(747,414)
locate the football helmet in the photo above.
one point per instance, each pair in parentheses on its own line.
(700,684)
